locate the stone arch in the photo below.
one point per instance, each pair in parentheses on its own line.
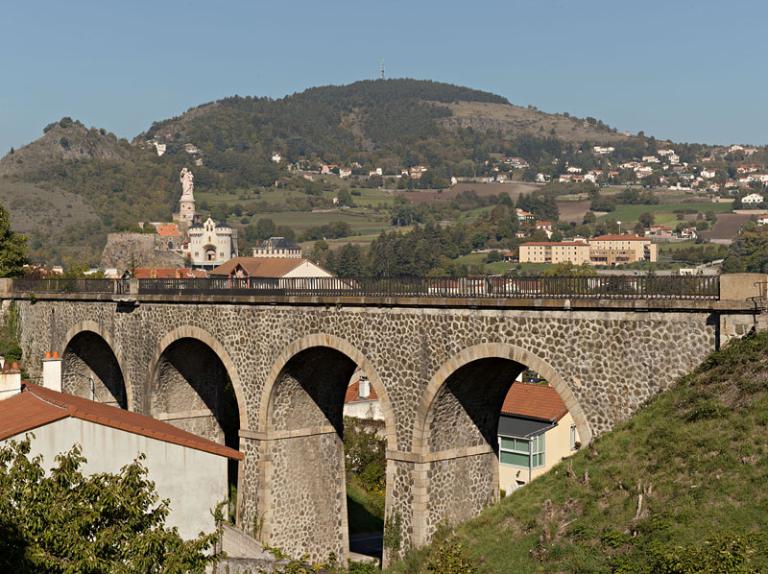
(88,347)
(494,351)
(196,333)
(193,384)
(455,435)
(303,494)
(337,344)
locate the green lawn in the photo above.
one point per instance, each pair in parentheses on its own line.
(664,213)
(361,221)
(373,197)
(365,510)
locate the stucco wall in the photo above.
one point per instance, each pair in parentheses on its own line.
(365,410)
(194,481)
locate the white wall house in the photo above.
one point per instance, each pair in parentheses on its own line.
(188,470)
(270,268)
(752,199)
(361,401)
(211,244)
(277,247)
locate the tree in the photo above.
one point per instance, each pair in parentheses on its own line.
(64,522)
(345,198)
(264,229)
(13,248)
(748,253)
(646,219)
(349,261)
(568,269)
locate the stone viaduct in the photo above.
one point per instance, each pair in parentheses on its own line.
(268,374)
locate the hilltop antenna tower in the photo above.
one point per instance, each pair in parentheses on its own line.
(381,70)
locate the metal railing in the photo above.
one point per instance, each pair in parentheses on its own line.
(606,287)
(62,285)
(595,287)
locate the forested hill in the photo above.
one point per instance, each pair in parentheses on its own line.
(677,489)
(389,123)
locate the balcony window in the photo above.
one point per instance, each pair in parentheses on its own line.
(522,451)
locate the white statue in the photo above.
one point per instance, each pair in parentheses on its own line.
(187,184)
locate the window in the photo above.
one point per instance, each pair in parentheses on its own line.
(573,437)
(518,451)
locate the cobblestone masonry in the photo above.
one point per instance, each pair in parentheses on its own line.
(604,364)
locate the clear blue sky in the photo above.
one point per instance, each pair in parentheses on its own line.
(686,70)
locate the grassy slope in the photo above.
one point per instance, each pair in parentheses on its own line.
(699,450)
(365,510)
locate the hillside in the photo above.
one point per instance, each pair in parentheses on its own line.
(74,184)
(62,142)
(679,488)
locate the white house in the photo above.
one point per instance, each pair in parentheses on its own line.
(211,244)
(188,470)
(752,199)
(269,268)
(277,247)
(361,401)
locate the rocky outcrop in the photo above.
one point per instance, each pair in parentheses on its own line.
(130,250)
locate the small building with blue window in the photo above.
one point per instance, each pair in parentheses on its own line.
(536,431)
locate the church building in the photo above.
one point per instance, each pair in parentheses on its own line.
(208,244)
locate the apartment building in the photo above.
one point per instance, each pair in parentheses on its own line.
(620,249)
(609,250)
(576,252)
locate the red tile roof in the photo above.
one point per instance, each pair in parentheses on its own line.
(619,238)
(167,230)
(539,402)
(168,273)
(353,393)
(274,267)
(37,406)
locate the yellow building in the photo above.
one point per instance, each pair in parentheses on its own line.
(604,250)
(536,431)
(554,252)
(620,249)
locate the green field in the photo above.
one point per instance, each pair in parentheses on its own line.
(664,213)
(361,222)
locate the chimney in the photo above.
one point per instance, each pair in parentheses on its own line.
(10,381)
(52,371)
(364,388)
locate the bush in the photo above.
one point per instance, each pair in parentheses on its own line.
(63,521)
(449,557)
